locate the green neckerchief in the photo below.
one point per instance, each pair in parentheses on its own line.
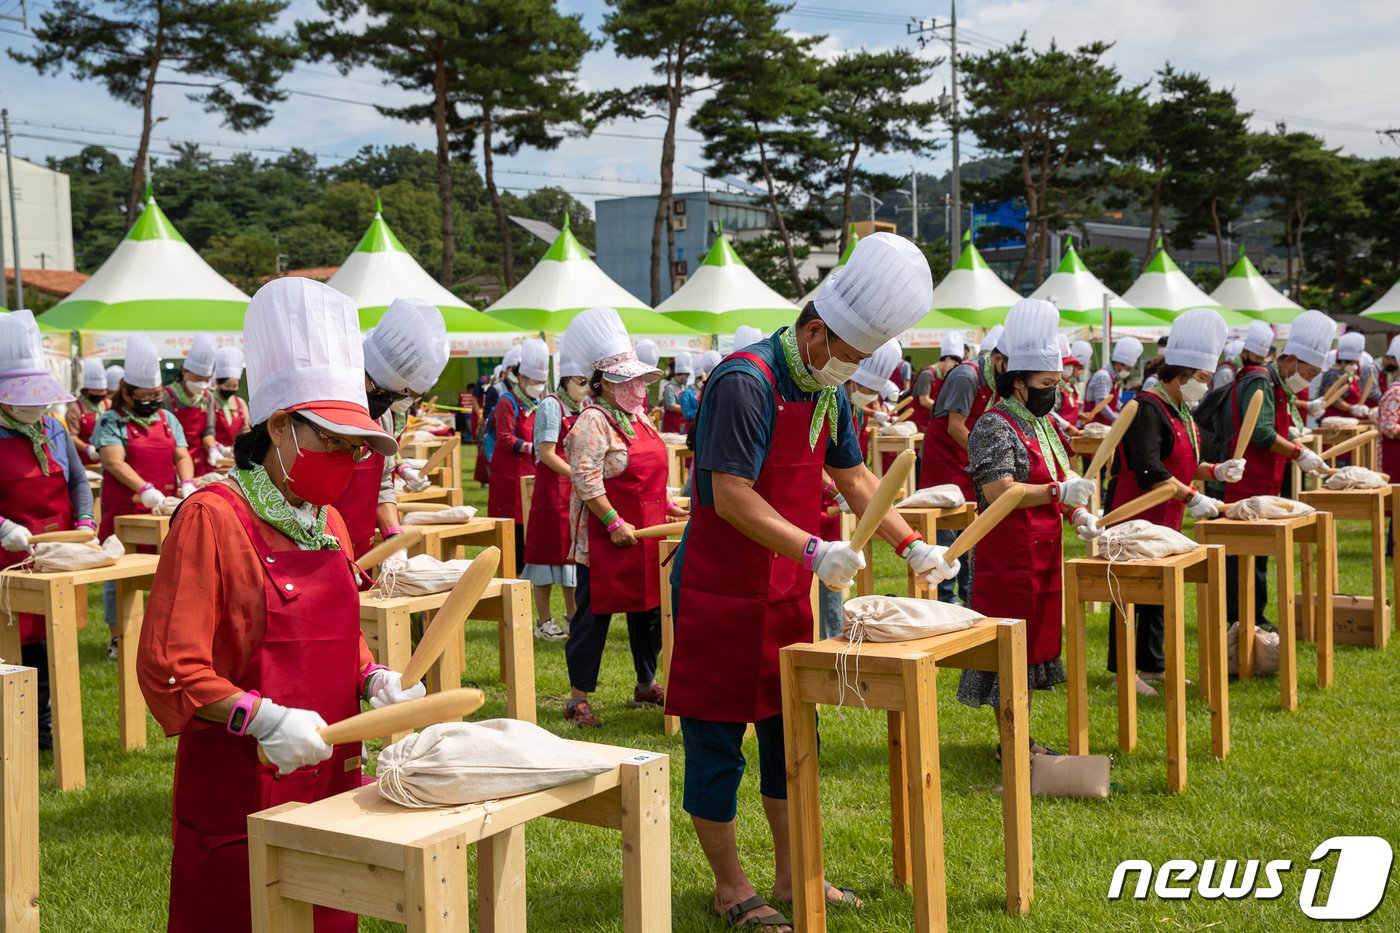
(304,526)
(568,404)
(1293,416)
(623,418)
(130,415)
(989,378)
(400,422)
(229,405)
(1045,435)
(827,405)
(36,435)
(184,398)
(97,409)
(1184,411)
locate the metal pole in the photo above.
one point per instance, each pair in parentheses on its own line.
(955,231)
(914,196)
(14,218)
(1107,336)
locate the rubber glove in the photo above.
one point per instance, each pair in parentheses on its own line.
(1203,506)
(835,563)
(842,504)
(881,418)
(187,489)
(926,560)
(15,538)
(1309,462)
(1086,524)
(1316,408)
(1076,490)
(1229,471)
(288,736)
(212,455)
(386,689)
(151,496)
(413,481)
(91,452)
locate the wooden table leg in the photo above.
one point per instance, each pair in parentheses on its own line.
(1076,655)
(65,690)
(505,540)
(865,577)
(1127,677)
(518,653)
(1326,530)
(396,644)
(273,913)
(925,795)
(1306,619)
(1015,766)
(19,788)
(1287,636)
(1380,622)
(899,800)
(1245,634)
(804,805)
(131,706)
(1174,680)
(1203,647)
(646,846)
(1210,612)
(436,880)
(1394,507)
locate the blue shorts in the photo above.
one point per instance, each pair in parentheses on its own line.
(714,765)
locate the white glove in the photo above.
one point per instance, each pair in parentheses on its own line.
(926,560)
(16,539)
(1076,490)
(224,451)
(1316,408)
(187,489)
(212,455)
(413,481)
(152,497)
(1203,506)
(842,504)
(92,453)
(288,736)
(836,563)
(1360,411)
(1086,524)
(1229,471)
(881,418)
(1309,462)
(386,689)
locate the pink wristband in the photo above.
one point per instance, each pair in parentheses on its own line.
(390,532)
(809,551)
(145,487)
(617,523)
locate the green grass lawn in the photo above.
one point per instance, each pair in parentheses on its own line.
(1291,781)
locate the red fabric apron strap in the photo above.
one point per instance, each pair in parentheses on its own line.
(626,579)
(944,459)
(1181,463)
(547,538)
(87,423)
(226,429)
(507,466)
(38,502)
(193,420)
(151,453)
(358,505)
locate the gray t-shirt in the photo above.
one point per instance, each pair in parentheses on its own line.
(959,391)
(923,384)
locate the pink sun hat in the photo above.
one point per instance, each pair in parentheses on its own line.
(24,379)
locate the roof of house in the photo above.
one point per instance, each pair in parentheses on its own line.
(57,282)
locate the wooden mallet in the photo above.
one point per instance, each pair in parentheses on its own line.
(659,531)
(407,507)
(1153,497)
(1110,441)
(447,706)
(1094,412)
(75,536)
(1247,425)
(904,417)
(1366,391)
(446,628)
(440,455)
(904,402)
(1003,506)
(890,490)
(1332,453)
(403,541)
(1338,389)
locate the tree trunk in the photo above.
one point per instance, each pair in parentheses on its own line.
(502,222)
(1042,248)
(1219,242)
(675,71)
(846,192)
(1155,228)
(1032,213)
(444,171)
(138,171)
(793,275)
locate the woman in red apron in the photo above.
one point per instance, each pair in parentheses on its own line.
(513,430)
(1108,382)
(81,417)
(230,411)
(547,538)
(617,465)
(192,403)
(672,421)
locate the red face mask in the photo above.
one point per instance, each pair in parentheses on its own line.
(317,476)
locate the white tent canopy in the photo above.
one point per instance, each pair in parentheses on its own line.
(1244,289)
(724,294)
(1389,303)
(1078,293)
(1163,289)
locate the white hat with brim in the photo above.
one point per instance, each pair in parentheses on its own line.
(1310,337)
(24,379)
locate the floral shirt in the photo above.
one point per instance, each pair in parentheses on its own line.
(595,452)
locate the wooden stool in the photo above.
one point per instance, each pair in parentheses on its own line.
(358,851)
(678,462)
(1162,582)
(1363,620)
(669,724)
(443,541)
(899,677)
(926,522)
(1276,538)
(55,597)
(881,444)
(1363,456)
(143,529)
(386,625)
(1087,447)
(447,495)
(19,788)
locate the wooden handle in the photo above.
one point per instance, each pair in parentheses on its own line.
(447,706)
(1110,440)
(904,417)
(407,507)
(1153,497)
(904,402)
(1094,412)
(403,541)
(446,627)
(1366,390)
(1251,419)
(441,455)
(1347,446)
(75,536)
(659,531)
(1338,389)
(985,522)
(890,490)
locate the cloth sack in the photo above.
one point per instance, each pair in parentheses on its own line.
(946,496)
(208,479)
(1140,539)
(166,506)
(458,513)
(1339,421)
(1265,650)
(1096,430)
(56,556)
(1256,508)
(93,476)
(456,763)
(672,439)
(1084,776)
(417,437)
(418,576)
(1355,477)
(899,429)
(902,618)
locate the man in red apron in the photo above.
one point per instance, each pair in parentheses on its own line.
(1107,383)
(930,380)
(81,417)
(771,420)
(250,641)
(190,400)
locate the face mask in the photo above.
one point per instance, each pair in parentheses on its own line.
(1123,377)
(1349,369)
(1193,391)
(1392,368)
(145,409)
(26,414)
(317,476)
(1069,372)
(1040,402)
(535,390)
(94,399)
(632,396)
(402,405)
(197,386)
(835,372)
(378,404)
(227,394)
(861,399)
(575,390)
(1296,382)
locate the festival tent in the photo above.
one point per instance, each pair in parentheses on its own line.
(1245,290)
(566,281)
(971,295)
(724,294)
(851,239)
(380,269)
(1079,294)
(1386,307)
(1162,291)
(152,283)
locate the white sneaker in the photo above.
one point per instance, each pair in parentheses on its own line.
(549,630)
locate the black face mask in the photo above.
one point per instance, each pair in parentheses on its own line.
(95,399)
(1040,402)
(1392,368)
(227,394)
(145,409)
(379,403)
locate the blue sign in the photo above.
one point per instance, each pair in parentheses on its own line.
(1005,220)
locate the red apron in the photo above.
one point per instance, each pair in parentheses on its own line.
(507,466)
(1263,469)
(38,502)
(1017,570)
(1342,406)
(193,420)
(1115,401)
(922,415)
(87,423)
(151,453)
(945,460)
(740,602)
(359,503)
(309,659)
(673,422)
(1069,405)
(226,429)
(1181,463)
(625,579)
(862,436)
(547,538)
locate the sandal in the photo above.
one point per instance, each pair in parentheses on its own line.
(1043,751)
(848,897)
(770,919)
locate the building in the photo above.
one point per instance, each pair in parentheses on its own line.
(45,217)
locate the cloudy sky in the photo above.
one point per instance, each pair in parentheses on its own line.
(1329,69)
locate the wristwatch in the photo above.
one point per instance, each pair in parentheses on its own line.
(243,713)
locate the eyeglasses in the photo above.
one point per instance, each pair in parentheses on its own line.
(336,445)
(377,389)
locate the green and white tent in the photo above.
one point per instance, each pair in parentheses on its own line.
(851,240)
(1162,291)
(566,281)
(970,296)
(1079,294)
(724,294)
(380,269)
(156,284)
(1386,307)
(1245,290)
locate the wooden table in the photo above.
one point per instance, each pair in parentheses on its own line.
(357,851)
(1364,620)
(387,626)
(527,498)
(56,596)
(1277,538)
(449,475)
(678,461)
(142,529)
(95,486)
(899,677)
(444,541)
(881,444)
(447,495)
(19,788)
(1162,582)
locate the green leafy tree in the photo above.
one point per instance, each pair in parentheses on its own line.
(1113,266)
(226,52)
(309,245)
(246,259)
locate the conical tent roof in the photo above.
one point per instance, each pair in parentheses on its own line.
(566,281)
(724,294)
(380,269)
(1245,290)
(153,283)
(851,240)
(1163,291)
(971,296)
(1387,306)
(1078,293)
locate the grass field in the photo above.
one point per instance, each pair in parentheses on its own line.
(1291,781)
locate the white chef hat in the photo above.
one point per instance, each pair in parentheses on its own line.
(1233,346)
(1065,352)
(1259,338)
(647,352)
(407,350)
(1196,340)
(1331,359)
(568,361)
(1310,337)
(951,344)
(1350,346)
(228,363)
(1082,351)
(512,357)
(884,288)
(745,335)
(1128,350)
(200,359)
(891,391)
(704,362)
(1366,360)
(875,369)
(989,343)
(1031,338)
(534,359)
(24,379)
(601,341)
(142,363)
(94,377)
(302,339)
(681,362)
(498,372)
(114,377)
(1393,351)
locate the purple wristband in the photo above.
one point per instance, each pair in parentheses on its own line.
(809,551)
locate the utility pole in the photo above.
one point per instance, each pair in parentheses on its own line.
(14,219)
(914,197)
(920,28)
